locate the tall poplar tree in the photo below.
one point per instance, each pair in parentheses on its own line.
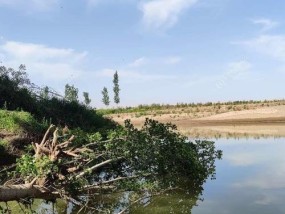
(116,88)
(44,94)
(106,98)
(87,100)
(71,93)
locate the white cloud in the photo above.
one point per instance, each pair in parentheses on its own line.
(266,24)
(271,178)
(267,162)
(155,61)
(34,5)
(138,62)
(93,3)
(42,61)
(242,159)
(163,13)
(40,52)
(270,45)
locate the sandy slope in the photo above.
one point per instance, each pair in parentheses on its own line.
(262,115)
(266,112)
(260,122)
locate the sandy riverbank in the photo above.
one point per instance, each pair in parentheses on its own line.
(263,121)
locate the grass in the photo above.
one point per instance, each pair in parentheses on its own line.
(16,123)
(19,122)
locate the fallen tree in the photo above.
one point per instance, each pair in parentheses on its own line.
(150,160)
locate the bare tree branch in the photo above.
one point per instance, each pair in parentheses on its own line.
(46,134)
(97,166)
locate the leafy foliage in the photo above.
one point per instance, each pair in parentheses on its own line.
(87,100)
(28,167)
(106,98)
(44,94)
(158,149)
(71,93)
(116,88)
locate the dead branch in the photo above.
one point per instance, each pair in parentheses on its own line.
(46,134)
(119,179)
(66,143)
(54,140)
(97,166)
(8,168)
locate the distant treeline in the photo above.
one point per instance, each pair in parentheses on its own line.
(156,106)
(18,93)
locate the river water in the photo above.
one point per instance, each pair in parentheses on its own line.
(250,178)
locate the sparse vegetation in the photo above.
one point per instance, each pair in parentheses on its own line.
(186,111)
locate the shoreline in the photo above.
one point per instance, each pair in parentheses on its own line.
(234,122)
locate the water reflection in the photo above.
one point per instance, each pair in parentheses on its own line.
(235,132)
(174,202)
(251,178)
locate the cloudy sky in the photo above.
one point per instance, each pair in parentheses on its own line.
(165,51)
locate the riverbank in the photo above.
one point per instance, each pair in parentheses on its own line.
(269,119)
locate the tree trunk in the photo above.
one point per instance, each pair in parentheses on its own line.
(17,192)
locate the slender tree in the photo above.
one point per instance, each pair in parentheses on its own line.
(87,100)
(71,93)
(116,88)
(106,98)
(44,94)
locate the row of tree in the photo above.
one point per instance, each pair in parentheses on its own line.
(116,90)
(71,93)
(17,92)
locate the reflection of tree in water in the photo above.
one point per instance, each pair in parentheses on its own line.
(235,132)
(169,202)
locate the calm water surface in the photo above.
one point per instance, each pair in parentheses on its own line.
(250,178)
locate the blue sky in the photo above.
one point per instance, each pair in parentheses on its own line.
(165,51)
